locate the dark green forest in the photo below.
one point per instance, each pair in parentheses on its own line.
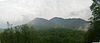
(93,34)
(27,34)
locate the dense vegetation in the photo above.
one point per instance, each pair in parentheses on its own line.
(93,35)
(26,34)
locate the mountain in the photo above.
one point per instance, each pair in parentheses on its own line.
(69,23)
(57,22)
(41,23)
(3,25)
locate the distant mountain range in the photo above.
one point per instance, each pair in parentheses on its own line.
(56,22)
(3,25)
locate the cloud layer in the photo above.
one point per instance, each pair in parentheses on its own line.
(15,10)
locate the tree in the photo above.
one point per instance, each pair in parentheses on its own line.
(94,31)
(19,34)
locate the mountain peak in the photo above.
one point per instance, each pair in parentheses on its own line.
(40,19)
(59,22)
(57,18)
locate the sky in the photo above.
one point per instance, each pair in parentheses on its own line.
(26,10)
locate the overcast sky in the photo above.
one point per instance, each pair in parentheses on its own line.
(17,10)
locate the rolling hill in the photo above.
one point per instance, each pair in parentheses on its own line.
(56,22)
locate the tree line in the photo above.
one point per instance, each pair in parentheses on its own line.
(27,34)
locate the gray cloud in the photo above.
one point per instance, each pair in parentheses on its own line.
(13,10)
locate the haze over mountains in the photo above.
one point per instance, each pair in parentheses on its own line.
(56,22)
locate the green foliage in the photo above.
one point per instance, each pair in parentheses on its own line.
(61,35)
(20,34)
(93,35)
(27,34)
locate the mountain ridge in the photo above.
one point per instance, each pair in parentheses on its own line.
(41,23)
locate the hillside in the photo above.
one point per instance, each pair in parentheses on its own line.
(76,23)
